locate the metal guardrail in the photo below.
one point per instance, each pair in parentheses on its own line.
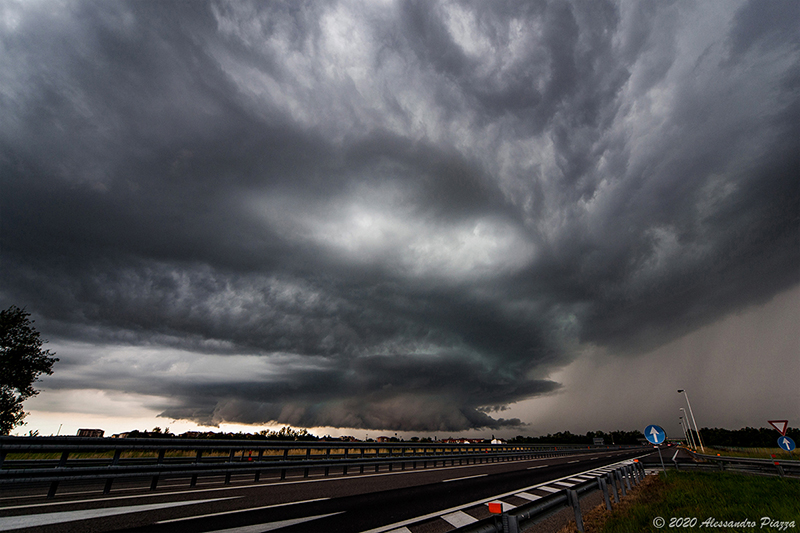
(529,514)
(780,467)
(228,457)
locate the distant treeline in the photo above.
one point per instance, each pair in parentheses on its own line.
(746,437)
(565,437)
(285,433)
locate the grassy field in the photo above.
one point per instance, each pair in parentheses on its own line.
(713,501)
(755,453)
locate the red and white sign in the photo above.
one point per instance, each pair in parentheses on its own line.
(780,425)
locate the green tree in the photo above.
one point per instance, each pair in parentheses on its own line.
(22,361)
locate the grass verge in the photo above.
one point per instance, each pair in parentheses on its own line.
(755,453)
(714,501)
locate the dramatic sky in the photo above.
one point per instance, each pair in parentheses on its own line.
(416,216)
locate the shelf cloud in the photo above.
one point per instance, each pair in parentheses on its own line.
(388,215)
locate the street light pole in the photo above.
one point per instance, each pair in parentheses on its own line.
(699,440)
(688,427)
(685,436)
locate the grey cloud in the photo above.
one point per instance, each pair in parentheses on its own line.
(655,185)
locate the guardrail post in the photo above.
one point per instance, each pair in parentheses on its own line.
(197,456)
(51,493)
(621,482)
(510,523)
(259,458)
(626,477)
(114,462)
(576,506)
(604,487)
(778,466)
(614,495)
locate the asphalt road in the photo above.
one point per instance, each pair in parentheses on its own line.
(352,503)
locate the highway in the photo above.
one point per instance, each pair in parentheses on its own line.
(429,500)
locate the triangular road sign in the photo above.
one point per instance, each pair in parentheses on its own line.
(780,425)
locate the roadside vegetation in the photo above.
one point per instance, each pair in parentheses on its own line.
(689,501)
(755,453)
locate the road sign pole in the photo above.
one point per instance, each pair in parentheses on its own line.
(664,468)
(656,435)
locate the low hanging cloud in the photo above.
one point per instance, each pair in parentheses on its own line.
(409,214)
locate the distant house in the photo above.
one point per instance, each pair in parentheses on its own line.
(90,432)
(384,439)
(498,441)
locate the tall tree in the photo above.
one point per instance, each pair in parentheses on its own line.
(22,361)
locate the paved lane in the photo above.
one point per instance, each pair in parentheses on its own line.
(351,503)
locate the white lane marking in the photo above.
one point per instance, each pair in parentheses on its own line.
(564,484)
(535,467)
(400,530)
(459,518)
(676,454)
(577,479)
(465,477)
(241,510)
(593,458)
(270,526)
(549,489)
(32,520)
(575,461)
(528,496)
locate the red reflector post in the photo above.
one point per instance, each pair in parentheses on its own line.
(495,508)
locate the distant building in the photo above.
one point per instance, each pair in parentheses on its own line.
(498,441)
(90,432)
(384,439)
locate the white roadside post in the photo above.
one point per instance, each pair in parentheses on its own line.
(699,439)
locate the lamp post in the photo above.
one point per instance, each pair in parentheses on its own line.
(699,440)
(685,435)
(688,428)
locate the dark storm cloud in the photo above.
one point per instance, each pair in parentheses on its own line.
(424,206)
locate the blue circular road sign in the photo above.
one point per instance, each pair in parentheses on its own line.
(655,434)
(786,443)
